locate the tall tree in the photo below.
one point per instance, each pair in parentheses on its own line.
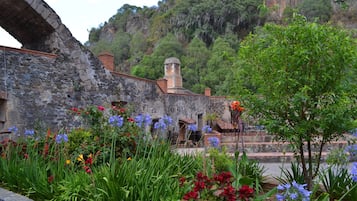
(219,67)
(194,65)
(300,81)
(151,67)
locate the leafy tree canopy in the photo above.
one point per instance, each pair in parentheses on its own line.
(300,80)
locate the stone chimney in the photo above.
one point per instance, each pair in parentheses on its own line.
(173,74)
(207,91)
(107,60)
(162,84)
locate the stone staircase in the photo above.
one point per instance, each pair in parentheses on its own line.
(260,146)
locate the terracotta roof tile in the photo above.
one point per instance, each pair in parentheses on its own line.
(224,125)
(188,120)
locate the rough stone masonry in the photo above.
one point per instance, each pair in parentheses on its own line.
(54,72)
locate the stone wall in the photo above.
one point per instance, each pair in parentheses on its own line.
(41,87)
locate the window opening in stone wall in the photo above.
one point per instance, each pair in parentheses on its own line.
(119,104)
(2,112)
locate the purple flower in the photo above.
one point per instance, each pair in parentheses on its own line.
(192,127)
(354,171)
(143,120)
(293,191)
(160,125)
(207,129)
(29,132)
(116,120)
(13,129)
(61,138)
(167,120)
(213,141)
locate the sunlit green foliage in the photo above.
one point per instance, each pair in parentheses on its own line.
(300,80)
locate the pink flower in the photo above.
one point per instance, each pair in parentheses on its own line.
(101,108)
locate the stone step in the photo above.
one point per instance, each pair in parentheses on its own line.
(247,138)
(261,157)
(257,147)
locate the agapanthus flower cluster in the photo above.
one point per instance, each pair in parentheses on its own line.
(116,120)
(293,191)
(192,127)
(163,123)
(354,171)
(29,132)
(207,129)
(13,129)
(213,141)
(143,121)
(61,138)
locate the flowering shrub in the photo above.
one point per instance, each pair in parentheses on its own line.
(235,106)
(219,187)
(293,191)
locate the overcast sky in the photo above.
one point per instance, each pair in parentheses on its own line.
(81,15)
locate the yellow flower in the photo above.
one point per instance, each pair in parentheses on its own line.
(68,162)
(129,159)
(80,157)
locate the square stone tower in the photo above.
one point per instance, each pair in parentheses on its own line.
(173,75)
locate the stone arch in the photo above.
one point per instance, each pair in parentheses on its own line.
(34,24)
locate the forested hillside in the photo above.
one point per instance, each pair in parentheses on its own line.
(204,34)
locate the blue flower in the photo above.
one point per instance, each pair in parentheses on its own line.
(167,120)
(192,127)
(280,197)
(354,171)
(143,120)
(207,129)
(61,138)
(214,141)
(13,129)
(29,132)
(160,125)
(116,120)
(293,191)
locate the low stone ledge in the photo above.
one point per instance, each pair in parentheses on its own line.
(6,195)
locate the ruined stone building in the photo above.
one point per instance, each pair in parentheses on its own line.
(54,72)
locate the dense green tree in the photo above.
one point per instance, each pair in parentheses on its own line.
(120,47)
(101,46)
(300,81)
(151,67)
(219,67)
(138,46)
(195,65)
(320,10)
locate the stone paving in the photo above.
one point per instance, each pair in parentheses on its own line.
(6,195)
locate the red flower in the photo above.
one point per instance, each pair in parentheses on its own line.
(50,179)
(224,177)
(131,120)
(229,192)
(45,150)
(74,109)
(87,169)
(245,192)
(101,108)
(191,195)
(89,161)
(182,181)
(122,110)
(26,156)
